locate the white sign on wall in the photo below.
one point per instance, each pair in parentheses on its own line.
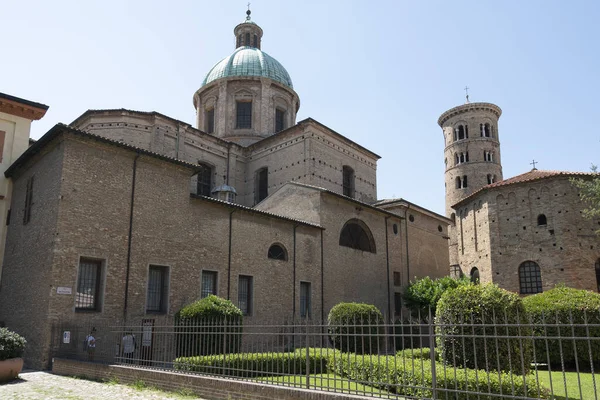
(67,337)
(63,290)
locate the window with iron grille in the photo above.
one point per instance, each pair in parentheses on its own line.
(277,252)
(243,115)
(356,235)
(305,299)
(397,281)
(89,285)
(204,180)
(530,278)
(245,294)
(209,283)
(279,120)
(262,185)
(28,201)
(348,181)
(157,295)
(210,120)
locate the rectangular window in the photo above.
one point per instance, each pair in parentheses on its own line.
(305,299)
(28,201)
(397,303)
(262,185)
(397,281)
(245,294)
(210,120)
(279,120)
(348,181)
(88,285)
(157,295)
(209,283)
(205,180)
(243,115)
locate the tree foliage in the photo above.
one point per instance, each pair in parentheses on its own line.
(589,191)
(423,294)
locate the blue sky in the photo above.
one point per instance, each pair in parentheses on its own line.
(378,72)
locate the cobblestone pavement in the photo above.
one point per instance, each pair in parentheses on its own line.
(39,385)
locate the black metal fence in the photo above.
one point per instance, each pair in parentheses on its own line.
(410,358)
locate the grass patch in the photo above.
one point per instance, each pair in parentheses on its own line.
(329,382)
(572,384)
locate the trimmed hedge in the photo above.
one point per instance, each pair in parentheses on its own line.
(423,353)
(423,294)
(259,364)
(355,327)
(413,377)
(211,325)
(565,305)
(466,342)
(12,345)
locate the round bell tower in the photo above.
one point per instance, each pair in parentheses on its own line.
(472,150)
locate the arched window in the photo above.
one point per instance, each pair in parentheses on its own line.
(530,278)
(356,235)
(487,130)
(598,274)
(542,220)
(261,185)
(464,181)
(475,275)
(204,180)
(255,41)
(247,39)
(458,182)
(348,181)
(277,252)
(461,132)
(491,179)
(457,159)
(279,120)
(209,120)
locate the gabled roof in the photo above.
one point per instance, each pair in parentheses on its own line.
(531,176)
(401,201)
(313,121)
(255,210)
(62,128)
(341,196)
(22,108)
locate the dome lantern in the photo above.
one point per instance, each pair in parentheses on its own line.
(248,33)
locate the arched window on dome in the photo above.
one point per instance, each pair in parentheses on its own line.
(238,41)
(277,252)
(542,220)
(247,37)
(357,235)
(475,275)
(204,184)
(255,41)
(530,278)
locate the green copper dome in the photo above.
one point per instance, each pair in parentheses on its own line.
(249,61)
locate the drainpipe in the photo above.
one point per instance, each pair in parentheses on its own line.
(406,236)
(387,264)
(128,267)
(294,277)
(322,281)
(228,156)
(229,256)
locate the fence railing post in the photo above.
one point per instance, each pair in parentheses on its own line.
(307,356)
(432,356)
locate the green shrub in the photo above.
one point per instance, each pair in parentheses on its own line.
(563,305)
(259,364)
(211,325)
(355,327)
(472,329)
(413,377)
(12,345)
(423,353)
(423,294)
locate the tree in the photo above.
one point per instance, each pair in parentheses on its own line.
(423,294)
(589,190)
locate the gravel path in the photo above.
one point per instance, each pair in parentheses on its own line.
(39,385)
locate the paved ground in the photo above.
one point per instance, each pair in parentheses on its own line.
(38,385)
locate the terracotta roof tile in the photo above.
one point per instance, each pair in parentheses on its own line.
(533,175)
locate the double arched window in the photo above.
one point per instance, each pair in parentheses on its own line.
(486,130)
(530,278)
(357,235)
(277,252)
(461,132)
(461,182)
